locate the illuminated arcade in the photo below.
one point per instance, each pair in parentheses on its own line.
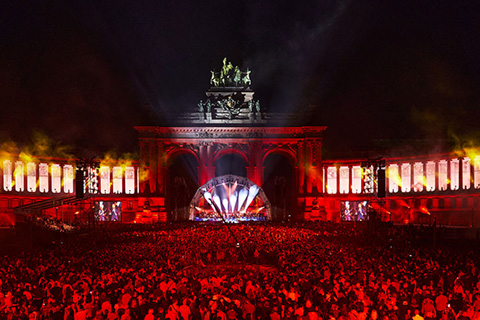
(181,172)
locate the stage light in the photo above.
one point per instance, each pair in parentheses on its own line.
(230,196)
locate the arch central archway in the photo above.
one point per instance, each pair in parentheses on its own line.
(230,198)
(230,163)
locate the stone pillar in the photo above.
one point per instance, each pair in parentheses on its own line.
(144,166)
(202,164)
(300,166)
(259,165)
(309,167)
(2,184)
(161,168)
(153,156)
(472,174)
(460,173)
(110,176)
(362,180)
(350,179)
(337,167)
(387,179)
(49,178)
(251,162)
(449,175)
(209,161)
(325,178)
(424,178)
(318,165)
(255,166)
(437,174)
(412,176)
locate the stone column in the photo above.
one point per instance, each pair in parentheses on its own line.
(449,175)
(424,178)
(251,161)
(2,183)
(153,155)
(337,167)
(318,165)
(362,180)
(472,174)
(255,165)
(309,167)
(412,176)
(259,165)
(350,179)
(161,167)
(460,173)
(202,164)
(209,161)
(300,165)
(437,174)
(144,166)
(325,178)
(387,179)
(110,179)
(49,176)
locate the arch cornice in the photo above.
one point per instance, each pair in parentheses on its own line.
(174,150)
(287,150)
(174,133)
(222,149)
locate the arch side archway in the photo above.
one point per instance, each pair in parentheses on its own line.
(279,184)
(181,183)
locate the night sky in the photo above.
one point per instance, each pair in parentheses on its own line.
(377,73)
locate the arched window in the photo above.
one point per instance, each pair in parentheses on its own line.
(332,180)
(357,179)
(19,176)
(418,177)
(344,179)
(129,180)
(68,178)
(393,178)
(117,180)
(406,177)
(466,167)
(31,177)
(442,175)
(56,178)
(430,176)
(454,174)
(105,180)
(7,175)
(43,177)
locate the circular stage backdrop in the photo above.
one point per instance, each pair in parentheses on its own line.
(230,198)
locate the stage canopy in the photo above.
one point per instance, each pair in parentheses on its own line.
(234,198)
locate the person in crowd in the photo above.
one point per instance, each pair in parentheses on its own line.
(280,271)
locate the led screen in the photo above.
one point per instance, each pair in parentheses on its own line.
(354,210)
(108,211)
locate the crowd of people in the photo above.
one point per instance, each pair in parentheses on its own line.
(244,271)
(232,217)
(52,223)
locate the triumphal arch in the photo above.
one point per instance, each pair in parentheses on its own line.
(230,126)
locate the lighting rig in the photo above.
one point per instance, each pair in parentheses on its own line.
(86,177)
(373,174)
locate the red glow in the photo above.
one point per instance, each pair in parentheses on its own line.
(424,210)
